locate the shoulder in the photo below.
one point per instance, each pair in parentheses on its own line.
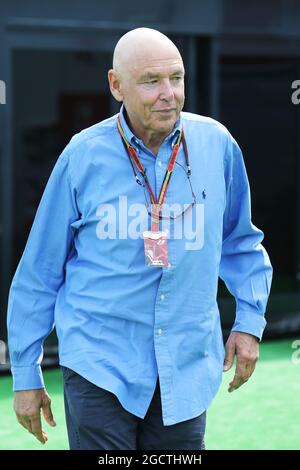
(92,135)
(86,143)
(200,122)
(204,130)
(79,152)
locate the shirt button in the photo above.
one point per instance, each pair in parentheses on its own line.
(159,331)
(162,297)
(159,163)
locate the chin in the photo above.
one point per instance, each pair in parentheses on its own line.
(167,123)
(163,129)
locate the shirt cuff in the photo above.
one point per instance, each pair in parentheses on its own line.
(251,323)
(27,377)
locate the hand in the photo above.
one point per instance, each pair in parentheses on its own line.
(246,349)
(28,405)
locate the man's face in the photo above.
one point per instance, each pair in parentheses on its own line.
(153,93)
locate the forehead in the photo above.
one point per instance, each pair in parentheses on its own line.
(161,67)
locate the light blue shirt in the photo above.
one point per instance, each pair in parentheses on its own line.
(121,323)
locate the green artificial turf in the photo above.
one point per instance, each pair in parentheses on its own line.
(262,414)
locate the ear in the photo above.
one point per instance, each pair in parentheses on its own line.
(115,84)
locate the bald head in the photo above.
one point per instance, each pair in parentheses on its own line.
(148,77)
(139,45)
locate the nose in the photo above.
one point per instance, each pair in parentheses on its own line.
(166,90)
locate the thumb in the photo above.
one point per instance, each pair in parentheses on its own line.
(229,357)
(47,412)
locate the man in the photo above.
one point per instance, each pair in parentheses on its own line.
(141,215)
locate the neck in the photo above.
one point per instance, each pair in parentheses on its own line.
(152,139)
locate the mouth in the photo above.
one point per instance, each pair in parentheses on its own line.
(165,111)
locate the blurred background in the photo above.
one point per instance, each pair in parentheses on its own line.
(241,59)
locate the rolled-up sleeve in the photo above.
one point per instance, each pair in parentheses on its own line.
(245,265)
(38,277)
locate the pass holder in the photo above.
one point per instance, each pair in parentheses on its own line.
(156,248)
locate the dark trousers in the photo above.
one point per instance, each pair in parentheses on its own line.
(97,421)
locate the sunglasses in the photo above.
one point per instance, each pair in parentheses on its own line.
(187,206)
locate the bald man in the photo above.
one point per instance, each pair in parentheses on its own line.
(142,214)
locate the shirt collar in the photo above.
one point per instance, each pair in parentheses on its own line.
(134,140)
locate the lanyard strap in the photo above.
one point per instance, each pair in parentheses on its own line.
(133,157)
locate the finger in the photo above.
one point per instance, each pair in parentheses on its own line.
(47,412)
(251,367)
(240,372)
(37,429)
(25,422)
(241,375)
(236,383)
(229,356)
(245,367)
(227,365)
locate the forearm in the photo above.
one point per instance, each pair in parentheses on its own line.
(30,320)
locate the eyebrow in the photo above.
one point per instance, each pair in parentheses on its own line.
(150,75)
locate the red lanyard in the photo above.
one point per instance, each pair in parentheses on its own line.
(156,204)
